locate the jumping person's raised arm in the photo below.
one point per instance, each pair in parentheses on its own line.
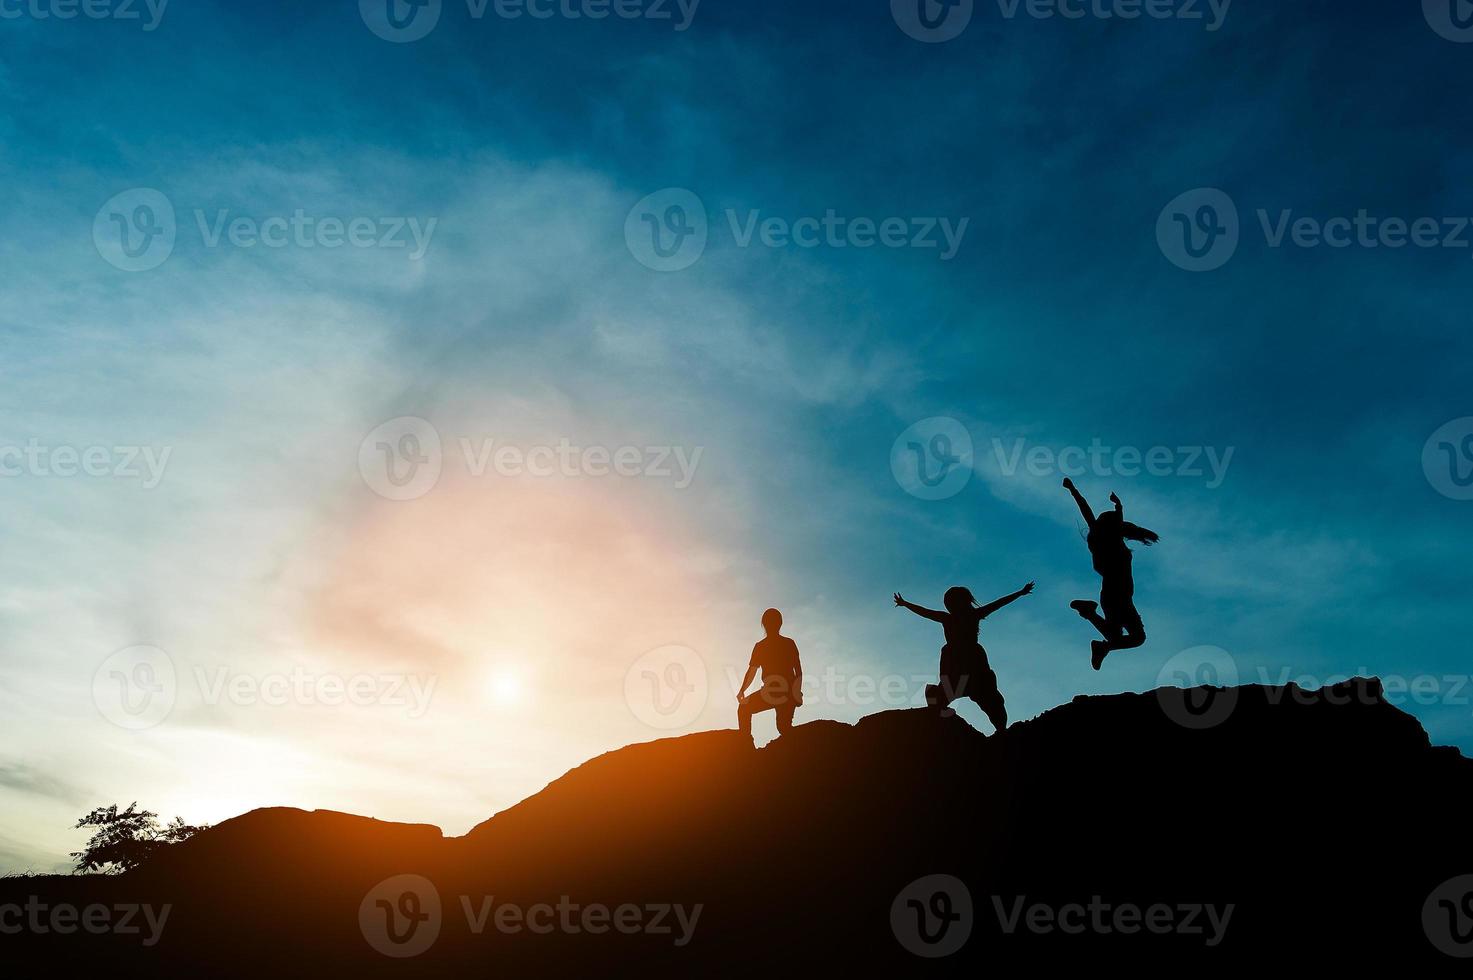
(921,611)
(1089,515)
(994,606)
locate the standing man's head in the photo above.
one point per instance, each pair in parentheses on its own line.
(772,621)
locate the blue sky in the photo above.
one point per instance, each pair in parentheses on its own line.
(518,147)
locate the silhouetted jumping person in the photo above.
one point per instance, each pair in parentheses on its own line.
(782,678)
(965,672)
(1121,624)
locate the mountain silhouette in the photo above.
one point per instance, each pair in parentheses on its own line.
(1315,825)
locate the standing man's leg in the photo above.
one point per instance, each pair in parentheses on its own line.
(752,704)
(785,718)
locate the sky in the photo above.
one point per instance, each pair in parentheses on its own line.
(403,404)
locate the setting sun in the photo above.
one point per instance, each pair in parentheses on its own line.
(506,688)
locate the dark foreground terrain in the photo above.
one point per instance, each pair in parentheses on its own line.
(1262,828)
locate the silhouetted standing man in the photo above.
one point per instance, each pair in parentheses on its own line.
(1121,624)
(782,678)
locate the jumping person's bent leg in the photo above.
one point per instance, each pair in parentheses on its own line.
(1126,629)
(1100,623)
(1089,612)
(1117,610)
(990,700)
(1134,635)
(952,682)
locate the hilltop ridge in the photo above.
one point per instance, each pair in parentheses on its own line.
(1319,818)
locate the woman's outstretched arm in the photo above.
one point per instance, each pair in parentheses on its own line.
(997,604)
(921,611)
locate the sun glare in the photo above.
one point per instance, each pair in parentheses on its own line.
(506,688)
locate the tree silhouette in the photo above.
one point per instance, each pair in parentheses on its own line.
(127,840)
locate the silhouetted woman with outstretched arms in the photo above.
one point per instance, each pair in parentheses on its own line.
(1121,624)
(965,672)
